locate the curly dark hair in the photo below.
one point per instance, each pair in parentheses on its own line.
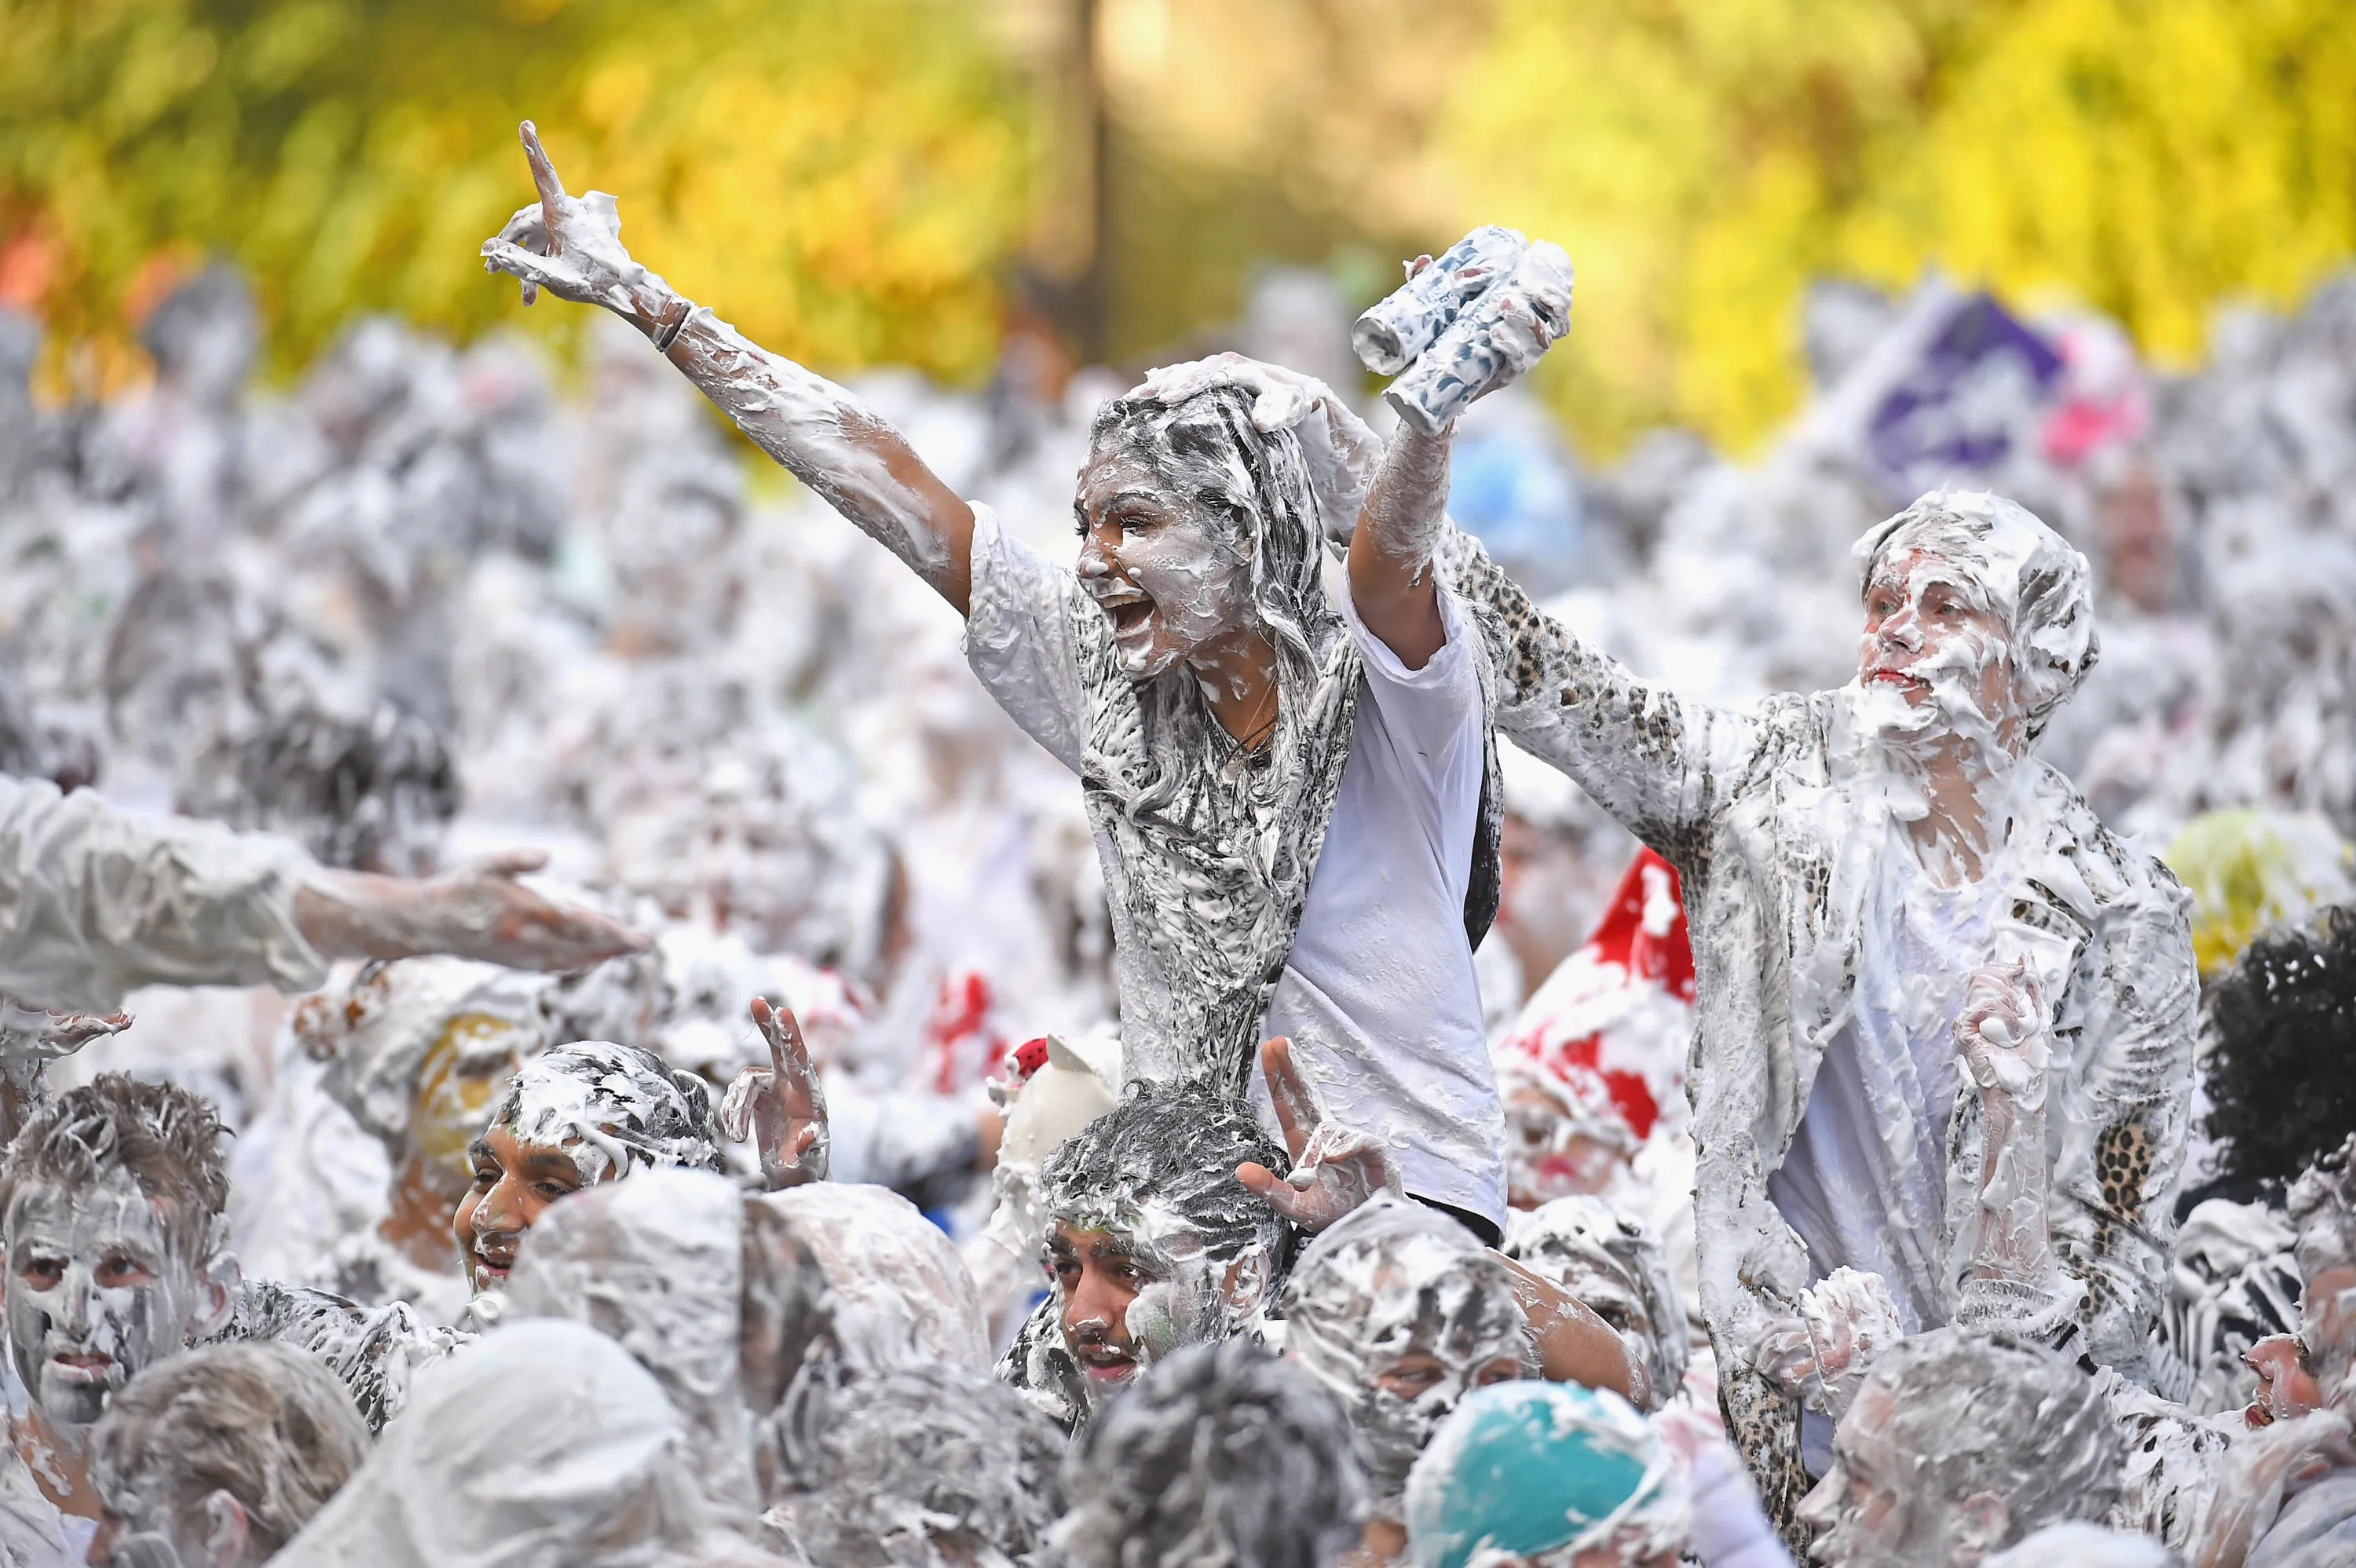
(2281,1075)
(168,1138)
(1220,1454)
(1176,1146)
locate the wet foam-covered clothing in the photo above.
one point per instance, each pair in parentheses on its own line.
(95,903)
(375,1351)
(543,1444)
(1376,986)
(1776,849)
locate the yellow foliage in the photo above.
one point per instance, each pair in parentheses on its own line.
(1702,159)
(2249,870)
(842,181)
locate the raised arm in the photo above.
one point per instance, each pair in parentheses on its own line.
(572,247)
(1391,579)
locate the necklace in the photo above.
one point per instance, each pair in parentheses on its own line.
(1257,736)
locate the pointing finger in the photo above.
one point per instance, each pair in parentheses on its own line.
(1296,1111)
(543,173)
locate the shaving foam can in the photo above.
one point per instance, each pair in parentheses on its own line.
(1497,339)
(1399,328)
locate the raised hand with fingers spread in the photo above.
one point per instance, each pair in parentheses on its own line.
(1335,1167)
(783,1105)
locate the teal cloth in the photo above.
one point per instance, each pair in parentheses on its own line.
(1524,1467)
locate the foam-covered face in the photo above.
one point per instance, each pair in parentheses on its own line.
(1170,576)
(1099,1277)
(1599,1281)
(96,1293)
(1546,1155)
(1132,1296)
(1933,641)
(514,1183)
(1454,1348)
(1433,1326)
(2287,1387)
(1862,1517)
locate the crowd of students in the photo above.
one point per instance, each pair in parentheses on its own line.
(576,1233)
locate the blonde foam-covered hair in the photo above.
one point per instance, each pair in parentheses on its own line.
(2032,579)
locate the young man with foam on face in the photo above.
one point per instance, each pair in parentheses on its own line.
(114,1240)
(1170,1226)
(1152,1244)
(1854,864)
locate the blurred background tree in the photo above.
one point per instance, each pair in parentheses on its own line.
(1702,159)
(846,178)
(897,180)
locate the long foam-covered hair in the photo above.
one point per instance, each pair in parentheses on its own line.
(1253,487)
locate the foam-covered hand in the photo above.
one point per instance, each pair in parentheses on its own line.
(2002,1033)
(782,1106)
(570,246)
(1822,1352)
(1334,1169)
(1341,453)
(480,911)
(1478,319)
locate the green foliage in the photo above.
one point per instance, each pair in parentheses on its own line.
(1702,159)
(841,180)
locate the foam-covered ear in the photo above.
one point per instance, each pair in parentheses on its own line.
(218,1278)
(1247,1281)
(228,1531)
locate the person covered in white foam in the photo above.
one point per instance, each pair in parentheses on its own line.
(1935,994)
(1288,779)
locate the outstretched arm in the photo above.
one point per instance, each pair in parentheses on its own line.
(478,912)
(826,437)
(1660,765)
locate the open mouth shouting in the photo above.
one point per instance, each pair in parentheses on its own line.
(1128,608)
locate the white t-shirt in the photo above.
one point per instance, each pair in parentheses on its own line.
(1378,995)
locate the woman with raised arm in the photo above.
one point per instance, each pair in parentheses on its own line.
(1286,780)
